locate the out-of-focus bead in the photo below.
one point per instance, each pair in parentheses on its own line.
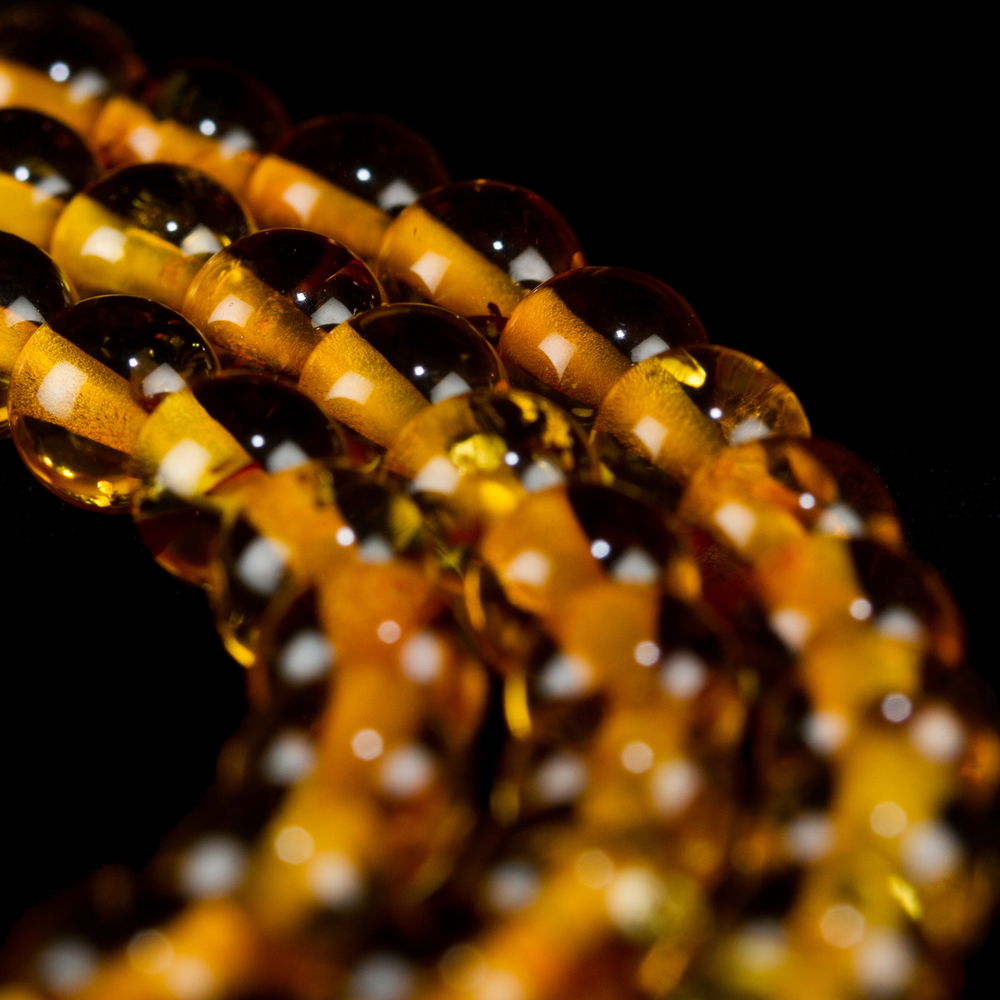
(577,333)
(269,298)
(376,371)
(63,60)
(344,176)
(32,289)
(83,386)
(43,163)
(146,230)
(476,247)
(203,114)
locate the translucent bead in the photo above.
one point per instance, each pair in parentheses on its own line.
(580,331)
(63,60)
(344,176)
(32,290)
(477,247)
(42,165)
(83,386)
(268,299)
(202,114)
(679,408)
(379,369)
(146,230)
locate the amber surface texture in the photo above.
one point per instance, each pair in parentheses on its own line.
(345,176)
(269,298)
(477,247)
(84,384)
(146,230)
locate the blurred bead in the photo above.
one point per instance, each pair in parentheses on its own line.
(376,371)
(269,298)
(580,331)
(477,247)
(32,290)
(82,388)
(679,408)
(146,230)
(203,114)
(63,60)
(344,176)
(42,165)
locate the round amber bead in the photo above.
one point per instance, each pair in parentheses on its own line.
(84,384)
(376,371)
(146,230)
(32,289)
(344,176)
(269,298)
(577,333)
(477,247)
(42,165)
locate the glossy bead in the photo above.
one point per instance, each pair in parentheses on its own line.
(83,386)
(269,298)
(679,408)
(63,60)
(344,176)
(477,247)
(581,330)
(203,114)
(42,165)
(146,230)
(32,290)
(376,371)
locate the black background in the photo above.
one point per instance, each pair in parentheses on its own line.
(812,188)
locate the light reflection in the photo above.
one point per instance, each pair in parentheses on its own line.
(367,744)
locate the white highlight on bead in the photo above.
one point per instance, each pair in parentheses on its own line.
(86,84)
(674,786)
(888,819)
(294,845)
(236,140)
(439,475)
(407,771)
(288,759)
(23,309)
(213,867)
(683,674)
(634,899)
(542,475)
(430,269)
(60,388)
(145,140)
(885,963)
(382,977)
(67,965)
(201,240)
(6,88)
(149,953)
(422,657)
(398,194)
(511,886)
(896,707)
(51,186)
(750,429)
(807,501)
(191,979)
(307,657)
(824,732)
(564,676)
(600,549)
(333,312)
(930,852)
(635,566)
(106,243)
(375,550)
(637,757)
(653,344)
(367,744)
(301,198)
(335,880)
(737,520)
(530,567)
(560,779)
(760,946)
(791,626)
(353,386)
(841,521)
(181,469)
(388,631)
(594,869)
(842,926)
(646,653)
(558,350)
(162,379)
(938,735)
(897,622)
(530,265)
(287,455)
(860,609)
(651,434)
(232,309)
(261,565)
(451,385)
(809,837)
(345,536)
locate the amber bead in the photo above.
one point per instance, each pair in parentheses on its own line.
(43,163)
(146,230)
(377,370)
(84,384)
(344,176)
(477,247)
(32,290)
(63,60)
(203,114)
(580,330)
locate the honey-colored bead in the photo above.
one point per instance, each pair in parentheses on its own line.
(679,408)
(146,230)
(376,371)
(580,331)
(84,384)
(202,114)
(271,297)
(477,247)
(43,163)
(344,176)
(32,290)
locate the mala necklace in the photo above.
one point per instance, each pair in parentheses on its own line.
(509,571)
